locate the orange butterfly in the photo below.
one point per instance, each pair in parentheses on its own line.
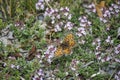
(66,46)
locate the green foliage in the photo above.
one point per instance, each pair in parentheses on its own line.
(34,33)
(11,8)
(2,24)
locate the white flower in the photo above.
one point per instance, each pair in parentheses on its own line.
(69,25)
(93,43)
(81,32)
(117,60)
(89,23)
(49,60)
(18,66)
(108,40)
(117,10)
(82,42)
(38,56)
(40,72)
(90,6)
(94,10)
(110,8)
(53,17)
(67,9)
(58,16)
(42,7)
(82,24)
(66,13)
(34,78)
(117,75)
(61,9)
(12,66)
(39,6)
(82,20)
(53,21)
(103,20)
(4,64)
(115,6)
(97,47)
(49,53)
(72,68)
(57,28)
(69,17)
(117,49)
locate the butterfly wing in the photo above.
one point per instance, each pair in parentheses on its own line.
(59,52)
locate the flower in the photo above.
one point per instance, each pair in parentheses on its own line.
(74,64)
(84,22)
(114,9)
(57,28)
(108,40)
(49,53)
(69,25)
(117,75)
(103,20)
(39,75)
(117,49)
(90,8)
(69,16)
(106,58)
(81,32)
(12,66)
(97,41)
(81,41)
(40,5)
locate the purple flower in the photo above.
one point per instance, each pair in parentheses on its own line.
(69,25)
(49,53)
(84,21)
(40,5)
(81,32)
(117,49)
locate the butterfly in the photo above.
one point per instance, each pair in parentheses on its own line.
(66,46)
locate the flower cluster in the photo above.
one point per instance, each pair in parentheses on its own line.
(20,24)
(84,22)
(59,18)
(117,76)
(73,65)
(108,40)
(40,5)
(102,56)
(114,9)
(49,53)
(15,66)
(39,75)
(81,32)
(90,8)
(97,42)
(117,49)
